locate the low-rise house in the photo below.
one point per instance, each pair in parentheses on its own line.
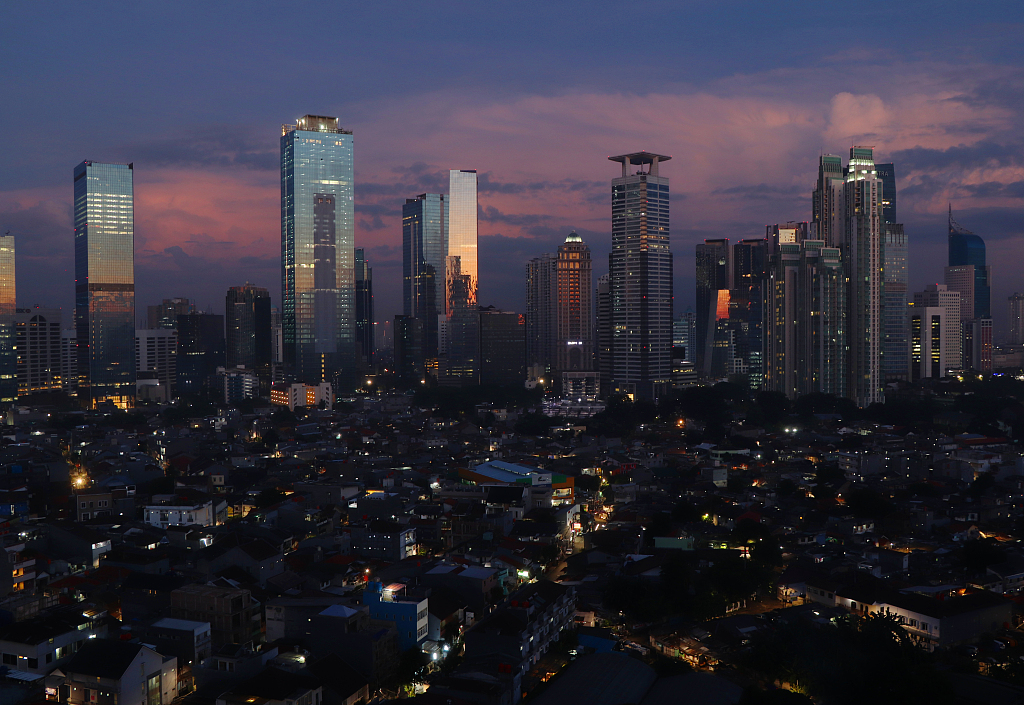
(113,672)
(45,642)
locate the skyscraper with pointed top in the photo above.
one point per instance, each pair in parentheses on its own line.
(969,273)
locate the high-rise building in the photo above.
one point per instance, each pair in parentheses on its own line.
(804,321)
(640,277)
(8,305)
(200,352)
(69,360)
(317,243)
(894,316)
(714,274)
(887,174)
(424,250)
(787,233)
(248,334)
(1016,319)
(847,210)
(165,314)
(575,342)
(542,313)
(925,350)
(105,283)
(684,334)
(276,336)
(156,353)
(409,358)
(365,342)
(462,281)
(603,330)
(502,347)
(38,342)
(969,273)
(948,300)
(746,313)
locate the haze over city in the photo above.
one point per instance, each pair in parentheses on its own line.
(533,96)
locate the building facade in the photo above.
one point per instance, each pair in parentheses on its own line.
(714,272)
(317,248)
(951,338)
(926,346)
(894,316)
(365,342)
(8,305)
(156,351)
(575,307)
(640,278)
(462,281)
(105,283)
(247,329)
(424,250)
(37,337)
(200,352)
(1015,319)
(542,314)
(165,314)
(502,348)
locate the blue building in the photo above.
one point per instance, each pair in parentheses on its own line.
(389,603)
(424,248)
(968,249)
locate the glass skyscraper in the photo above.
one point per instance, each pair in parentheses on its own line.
(105,283)
(714,271)
(640,277)
(462,280)
(317,250)
(365,343)
(8,303)
(887,174)
(895,350)
(424,249)
(968,249)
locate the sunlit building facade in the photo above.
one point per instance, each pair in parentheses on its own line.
(640,276)
(317,250)
(714,272)
(461,365)
(105,283)
(424,250)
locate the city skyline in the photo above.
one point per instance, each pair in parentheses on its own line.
(750,127)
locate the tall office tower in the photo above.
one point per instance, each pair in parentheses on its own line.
(927,344)
(603,331)
(787,233)
(750,269)
(575,306)
(276,336)
(941,296)
(805,327)
(8,305)
(502,347)
(156,353)
(968,249)
(69,361)
(409,358)
(827,200)
(542,314)
(714,274)
(978,344)
(165,314)
(969,274)
(640,269)
(684,332)
(894,302)
(462,281)
(847,209)
(365,343)
(105,283)
(1016,319)
(248,332)
(200,352)
(317,242)
(38,341)
(887,173)
(424,249)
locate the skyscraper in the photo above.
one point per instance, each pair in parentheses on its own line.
(968,249)
(165,314)
(927,342)
(847,210)
(424,249)
(8,304)
(575,342)
(894,346)
(200,352)
(804,320)
(684,333)
(750,269)
(317,242)
(714,274)
(603,331)
(502,347)
(462,281)
(365,342)
(941,297)
(969,274)
(887,173)
(37,335)
(248,332)
(409,347)
(105,283)
(640,277)
(542,313)
(1015,306)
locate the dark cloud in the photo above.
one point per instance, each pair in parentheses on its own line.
(761,191)
(210,146)
(993,189)
(962,157)
(375,223)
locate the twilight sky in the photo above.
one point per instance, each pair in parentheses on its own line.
(534,95)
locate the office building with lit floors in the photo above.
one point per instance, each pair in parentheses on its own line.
(1015,319)
(8,304)
(165,314)
(460,366)
(317,250)
(248,332)
(640,277)
(574,317)
(804,320)
(37,335)
(542,314)
(365,338)
(105,283)
(941,296)
(927,347)
(424,250)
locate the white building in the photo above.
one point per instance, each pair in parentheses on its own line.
(950,301)
(155,351)
(176,513)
